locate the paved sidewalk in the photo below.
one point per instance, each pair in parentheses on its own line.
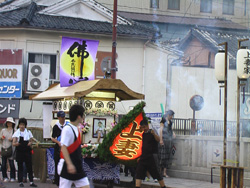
(174,183)
(170,183)
(48,184)
(126,182)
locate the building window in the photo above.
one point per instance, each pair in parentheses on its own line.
(46,59)
(154,3)
(228,7)
(100,64)
(245,8)
(206,6)
(174,4)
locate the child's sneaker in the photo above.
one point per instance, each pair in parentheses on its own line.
(5,180)
(32,184)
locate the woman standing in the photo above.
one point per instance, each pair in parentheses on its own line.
(6,138)
(22,139)
(166,136)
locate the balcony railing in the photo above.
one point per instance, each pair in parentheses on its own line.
(210,127)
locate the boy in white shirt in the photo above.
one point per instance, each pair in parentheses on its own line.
(70,164)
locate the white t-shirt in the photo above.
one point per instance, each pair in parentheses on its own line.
(26,134)
(67,135)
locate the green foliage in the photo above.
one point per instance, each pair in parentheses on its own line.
(89,150)
(103,150)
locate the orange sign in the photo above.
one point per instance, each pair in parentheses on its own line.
(127,145)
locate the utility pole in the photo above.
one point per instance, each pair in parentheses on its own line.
(114,36)
(238,113)
(225,107)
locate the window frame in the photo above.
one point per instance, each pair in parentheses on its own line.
(203,5)
(172,8)
(154,4)
(226,6)
(55,72)
(245,7)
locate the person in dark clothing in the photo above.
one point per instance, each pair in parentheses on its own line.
(166,137)
(146,161)
(56,135)
(155,154)
(129,168)
(22,139)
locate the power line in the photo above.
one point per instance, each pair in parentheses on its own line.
(182,17)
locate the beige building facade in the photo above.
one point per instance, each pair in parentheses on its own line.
(234,10)
(142,66)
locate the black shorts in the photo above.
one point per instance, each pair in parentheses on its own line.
(150,166)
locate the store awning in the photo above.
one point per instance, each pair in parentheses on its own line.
(89,89)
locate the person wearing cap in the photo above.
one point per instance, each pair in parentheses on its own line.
(6,139)
(166,137)
(56,135)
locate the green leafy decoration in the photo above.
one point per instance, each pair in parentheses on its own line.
(103,150)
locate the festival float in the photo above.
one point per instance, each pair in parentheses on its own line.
(121,140)
(107,141)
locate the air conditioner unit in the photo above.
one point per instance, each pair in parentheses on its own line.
(38,77)
(54,82)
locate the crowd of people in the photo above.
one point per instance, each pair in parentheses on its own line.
(155,158)
(16,146)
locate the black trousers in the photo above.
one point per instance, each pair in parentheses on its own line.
(56,160)
(27,159)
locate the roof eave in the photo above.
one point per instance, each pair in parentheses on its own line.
(75,32)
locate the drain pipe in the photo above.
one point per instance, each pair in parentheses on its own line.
(170,61)
(144,65)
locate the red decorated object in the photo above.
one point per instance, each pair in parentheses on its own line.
(127,145)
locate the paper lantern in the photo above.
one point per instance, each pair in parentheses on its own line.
(219,66)
(243,62)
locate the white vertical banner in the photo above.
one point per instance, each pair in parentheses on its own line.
(47,118)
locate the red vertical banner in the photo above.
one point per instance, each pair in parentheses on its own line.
(127,145)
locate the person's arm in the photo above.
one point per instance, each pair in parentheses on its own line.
(1,135)
(157,138)
(66,140)
(31,138)
(161,128)
(15,142)
(53,137)
(70,167)
(174,136)
(55,141)
(30,142)
(10,139)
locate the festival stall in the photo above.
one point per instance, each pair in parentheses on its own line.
(99,98)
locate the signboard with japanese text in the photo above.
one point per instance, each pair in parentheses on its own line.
(77,61)
(10,73)
(155,121)
(127,145)
(10,90)
(245,107)
(9,108)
